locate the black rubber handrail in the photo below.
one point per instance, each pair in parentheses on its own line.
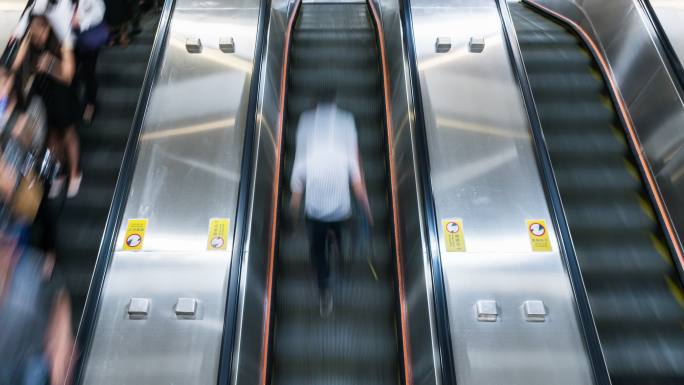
(123,184)
(448,369)
(566,247)
(241,217)
(669,51)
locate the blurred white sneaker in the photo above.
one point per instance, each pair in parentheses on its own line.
(56,187)
(74,186)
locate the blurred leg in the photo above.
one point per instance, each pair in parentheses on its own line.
(88,65)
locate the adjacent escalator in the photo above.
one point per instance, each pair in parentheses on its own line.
(634,290)
(334,48)
(120,73)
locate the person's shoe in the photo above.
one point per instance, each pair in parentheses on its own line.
(56,187)
(74,185)
(326,304)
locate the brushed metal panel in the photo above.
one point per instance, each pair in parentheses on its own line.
(422,335)
(484,171)
(187,171)
(670,13)
(252,304)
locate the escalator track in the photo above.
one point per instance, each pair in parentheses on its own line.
(633,286)
(334,48)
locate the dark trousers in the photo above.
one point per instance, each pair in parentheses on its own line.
(318,233)
(87,63)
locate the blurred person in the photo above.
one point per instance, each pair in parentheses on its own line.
(93,33)
(35,333)
(58,12)
(53,64)
(326,164)
(36,341)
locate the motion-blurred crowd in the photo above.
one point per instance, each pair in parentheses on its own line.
(48,89)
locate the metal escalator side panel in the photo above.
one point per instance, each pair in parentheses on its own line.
(91,309)
(227,371)
(183,171)
(590,334)
(672,42)
(484,172)
(447,362)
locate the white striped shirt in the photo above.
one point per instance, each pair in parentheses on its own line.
(326,161)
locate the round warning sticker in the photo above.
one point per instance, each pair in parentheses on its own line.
(134,240)
(217,242)
(453,227)
(537,229)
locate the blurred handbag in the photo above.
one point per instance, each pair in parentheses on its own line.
(93,38)
(27,197)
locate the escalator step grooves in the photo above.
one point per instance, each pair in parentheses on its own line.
(625,264)
(334,47)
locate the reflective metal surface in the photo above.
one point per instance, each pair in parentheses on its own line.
(670,13)
(187,172)
(484,172)
(629,42)
(422,337)
(10,12)
(247,356)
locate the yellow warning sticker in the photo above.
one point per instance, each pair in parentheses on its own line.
(454,239)
(218,234)
(135,234)
(539,235)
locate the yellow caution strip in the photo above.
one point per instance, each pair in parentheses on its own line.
(661,249)
(631,169)
(675,290)
(646,207)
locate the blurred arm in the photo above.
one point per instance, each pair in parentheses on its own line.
(357,181)
(60,341)
(298,179)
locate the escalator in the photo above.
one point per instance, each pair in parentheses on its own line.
(334,48)
(633,287)
(120,73)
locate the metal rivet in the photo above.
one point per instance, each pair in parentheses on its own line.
(227,44)
(476,44)
(487,310)
(535,311)
(186,307)
(138,308)
(443,44)
(193,45)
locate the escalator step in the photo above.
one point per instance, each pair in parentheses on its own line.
(334,47)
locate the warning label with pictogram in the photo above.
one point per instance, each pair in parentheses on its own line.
(539,235)
(135,234)
(218,234)
(454,239)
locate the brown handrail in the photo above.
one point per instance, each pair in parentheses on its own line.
(408,375)
(276,194)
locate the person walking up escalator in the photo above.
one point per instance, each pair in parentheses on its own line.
(326,163)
